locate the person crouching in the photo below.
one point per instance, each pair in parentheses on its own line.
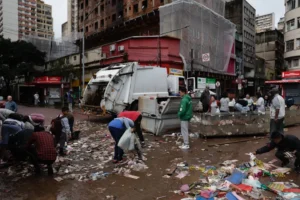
(41,150)
(117,128)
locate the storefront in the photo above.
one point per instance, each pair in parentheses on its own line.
(51,86)
(290,85)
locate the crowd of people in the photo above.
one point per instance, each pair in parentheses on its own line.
(26,138)
(41,147)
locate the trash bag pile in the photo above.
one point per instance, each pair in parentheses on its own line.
(250,180)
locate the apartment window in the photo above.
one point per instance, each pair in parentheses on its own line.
(74,57)
(298,20)
(295,63)
(102,22)
(291,4)
(120,14)
(81,5)
(102,8)
(86,29)
(114,17)
(144,4)
(290,25)
(86,2)
(113,2)
(96,26)
(290,45)
(81,18)
(136,8)
(162,1)
(96,11)
(298,43)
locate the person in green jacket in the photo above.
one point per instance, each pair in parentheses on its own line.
(185,114)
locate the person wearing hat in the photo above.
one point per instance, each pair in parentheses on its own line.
(277,111)
(284,145)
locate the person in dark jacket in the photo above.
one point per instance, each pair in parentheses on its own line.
(205,98)
(283,143)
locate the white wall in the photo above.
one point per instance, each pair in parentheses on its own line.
(10,19)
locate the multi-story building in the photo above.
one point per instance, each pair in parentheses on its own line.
(292,34)
(265,22)
(27,17)
(242,14)
(72,15)
(280,25)
(71,26)
(9,26)
(64,29)
(19,18)
(270,47)
(44,20)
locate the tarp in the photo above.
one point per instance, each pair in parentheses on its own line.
(208,33)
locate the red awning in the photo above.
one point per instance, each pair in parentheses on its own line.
(47,80)
(283,81)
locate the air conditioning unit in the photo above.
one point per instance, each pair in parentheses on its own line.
(121,48)
(112,47)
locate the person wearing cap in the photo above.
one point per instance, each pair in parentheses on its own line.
(136,117)
(284,144)
(277,112)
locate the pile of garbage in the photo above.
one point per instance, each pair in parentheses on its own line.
(254,179)
(88,159)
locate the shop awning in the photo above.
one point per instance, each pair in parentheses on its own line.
(283,81)
(47,80)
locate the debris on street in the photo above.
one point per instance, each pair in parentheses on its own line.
(88,159)
(237,181)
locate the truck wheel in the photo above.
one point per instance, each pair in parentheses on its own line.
(134,106)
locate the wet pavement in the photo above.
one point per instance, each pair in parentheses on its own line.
(151,184)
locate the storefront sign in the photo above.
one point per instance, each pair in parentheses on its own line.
(177,72)
(203,82)
(290,74)
(205,57)
(47,80)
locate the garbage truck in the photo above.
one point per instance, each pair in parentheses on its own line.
(118,87)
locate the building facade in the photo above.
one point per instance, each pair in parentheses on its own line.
(19,18)
(292,34)
(280,25)
(64,29)
(44,20)
(270,47)
(265,22)
(242,14)
(9,26)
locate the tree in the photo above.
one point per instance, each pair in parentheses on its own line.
(17,59)
(60,68)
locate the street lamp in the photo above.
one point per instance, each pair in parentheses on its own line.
(83,43)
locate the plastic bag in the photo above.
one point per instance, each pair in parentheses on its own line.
(127,141)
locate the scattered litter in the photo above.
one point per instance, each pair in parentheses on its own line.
(181,175)
(131,176)
(58,179)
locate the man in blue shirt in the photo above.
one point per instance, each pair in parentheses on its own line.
(11,105)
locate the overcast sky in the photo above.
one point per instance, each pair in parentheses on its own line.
(269,6)
(59,9)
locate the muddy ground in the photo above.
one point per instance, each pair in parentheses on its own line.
(151,184)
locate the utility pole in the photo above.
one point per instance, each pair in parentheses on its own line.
(83,43)
(192,61)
